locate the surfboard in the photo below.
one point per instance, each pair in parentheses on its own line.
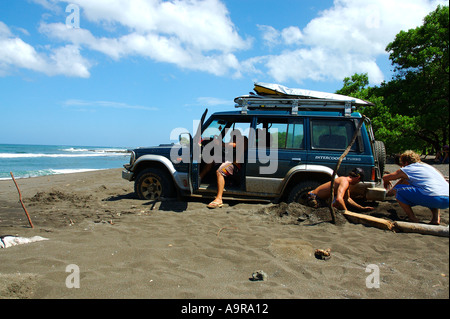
(283,91)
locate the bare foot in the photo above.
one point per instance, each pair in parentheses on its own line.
(436,219)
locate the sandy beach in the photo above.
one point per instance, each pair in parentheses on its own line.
(127,248)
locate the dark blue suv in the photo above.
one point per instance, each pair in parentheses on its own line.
(293,144)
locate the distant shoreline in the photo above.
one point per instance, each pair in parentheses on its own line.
(27,161)
(67,171)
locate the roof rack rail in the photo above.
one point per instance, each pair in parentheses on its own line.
(253,102)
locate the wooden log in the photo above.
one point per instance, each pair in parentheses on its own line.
(424,229)
(369,220)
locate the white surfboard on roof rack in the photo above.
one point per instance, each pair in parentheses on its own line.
(278,96)
(280,90)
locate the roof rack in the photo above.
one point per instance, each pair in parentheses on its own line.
(253,102)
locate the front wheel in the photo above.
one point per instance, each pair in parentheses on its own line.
(153,184)
(299,192)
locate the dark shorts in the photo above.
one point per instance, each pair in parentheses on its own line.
(412,196)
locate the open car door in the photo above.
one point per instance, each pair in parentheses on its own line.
(195,156)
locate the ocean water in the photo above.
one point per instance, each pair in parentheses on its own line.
(39,160)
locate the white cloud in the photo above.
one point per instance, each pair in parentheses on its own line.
(291,35)
(199,35)
(287,36)
(68,61)
(4,30)
(343,40)
(319,64)
(195,34)
(192,34)
(16,53)
(270,35)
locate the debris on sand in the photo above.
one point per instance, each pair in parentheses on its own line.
(323,254)
(259,276)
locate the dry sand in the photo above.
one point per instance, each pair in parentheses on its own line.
(128,248)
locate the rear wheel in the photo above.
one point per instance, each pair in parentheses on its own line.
(299,192)
(153,184)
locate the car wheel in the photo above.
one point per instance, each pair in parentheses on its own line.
(380,153)
(153,184)
(299,192)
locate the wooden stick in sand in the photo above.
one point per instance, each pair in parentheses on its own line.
(20,198)
(333,214)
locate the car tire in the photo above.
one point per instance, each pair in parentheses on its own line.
(299,192)
(380,154)
(153,184)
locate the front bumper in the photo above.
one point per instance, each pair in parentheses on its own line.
(126,174)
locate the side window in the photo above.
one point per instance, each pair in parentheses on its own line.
(223,128)
(295,136)
(243,127)
(286,135)
(335,135)
(215,128)
(227,130)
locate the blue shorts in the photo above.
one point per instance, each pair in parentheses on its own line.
(412,196)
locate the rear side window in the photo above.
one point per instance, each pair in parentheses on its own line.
(295,137)
(287,134)
(332,135)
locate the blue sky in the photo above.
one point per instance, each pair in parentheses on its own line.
(127,73)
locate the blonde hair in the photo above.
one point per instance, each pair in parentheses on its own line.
(409,157)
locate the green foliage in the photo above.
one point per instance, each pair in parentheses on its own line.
(412,110)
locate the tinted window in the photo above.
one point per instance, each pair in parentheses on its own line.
(287,135)
(334,135)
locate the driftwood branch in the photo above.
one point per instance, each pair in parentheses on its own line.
(338,164)
(223,229)
(20,199)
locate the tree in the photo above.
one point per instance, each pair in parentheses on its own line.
(420,88)
(412,110)
(356,86)
(386,126)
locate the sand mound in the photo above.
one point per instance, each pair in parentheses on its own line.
(296,214)
(58,196)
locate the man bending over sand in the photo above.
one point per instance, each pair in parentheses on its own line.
(321,194)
